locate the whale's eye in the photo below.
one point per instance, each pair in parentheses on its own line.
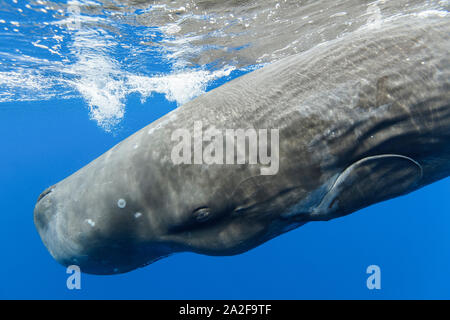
(197,218)
(202,214)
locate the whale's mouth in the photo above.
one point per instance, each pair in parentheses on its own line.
(45,193)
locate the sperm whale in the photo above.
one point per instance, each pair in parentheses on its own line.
(360,119)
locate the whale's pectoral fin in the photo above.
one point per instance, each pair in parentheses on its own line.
(369,181)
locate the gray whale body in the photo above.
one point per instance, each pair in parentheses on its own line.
(361,119)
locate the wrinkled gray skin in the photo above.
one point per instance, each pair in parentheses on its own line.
(361,119)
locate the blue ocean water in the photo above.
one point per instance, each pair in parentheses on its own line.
(51,126)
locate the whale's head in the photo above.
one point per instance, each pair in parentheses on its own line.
(129,208)
(99,237)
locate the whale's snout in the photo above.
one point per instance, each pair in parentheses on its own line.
(100,237)
(53,228)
